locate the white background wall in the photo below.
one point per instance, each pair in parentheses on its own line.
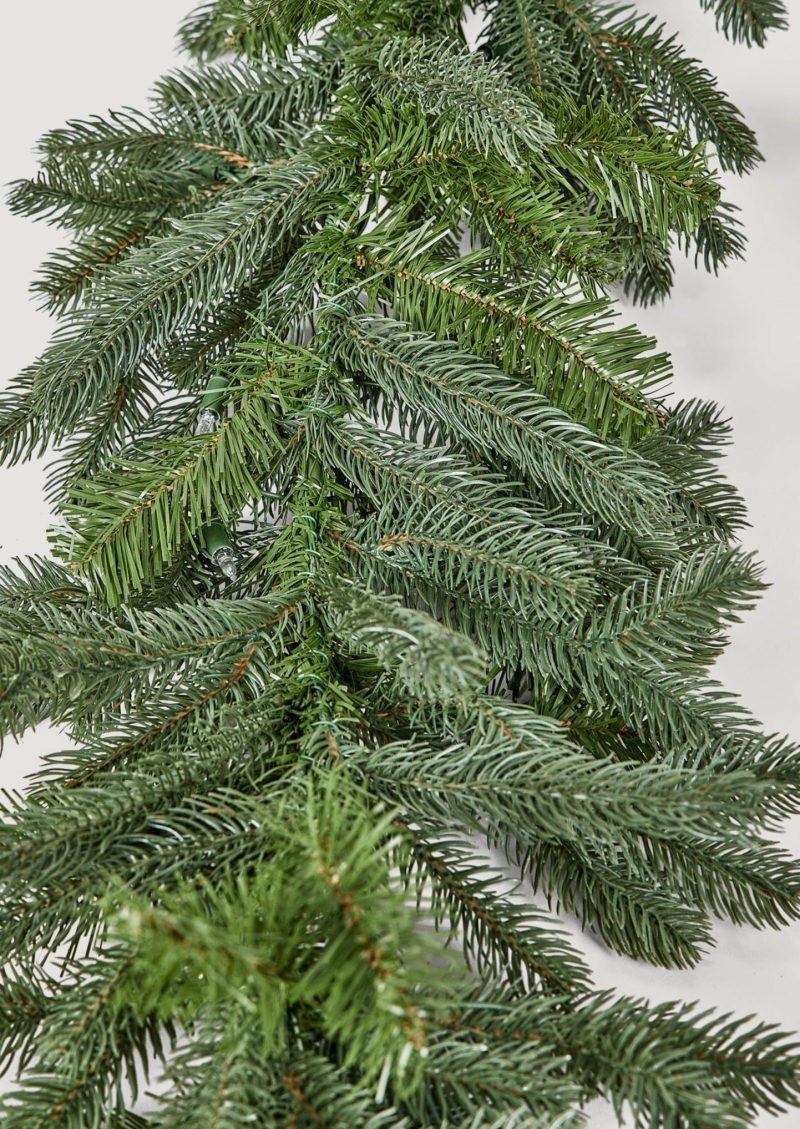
(734,339)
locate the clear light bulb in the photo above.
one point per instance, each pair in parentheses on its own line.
(207,421)
(225,561)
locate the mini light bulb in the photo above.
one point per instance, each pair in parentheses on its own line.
(212,404)
(225,561)
(208,420)
(219,549)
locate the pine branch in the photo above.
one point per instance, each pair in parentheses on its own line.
(599,377)
(33,580)
(519,213)
(532,43)
(216,1085)
(24,1001)
(238,96)
(437,499)
(66,279)
(746,880)
(677,616)
(95,357)
(696,1069)
(752,882)
(86,1053)
(518,793)
(718,238)
(473,102)
(173,714)
(64,849)
(634,911)
(482,570)
(483,407)
(251,27)
(640,68)
(125,525)
(69,194)
(509,939)
(103,665)
(515,1084)
(664,1064)
(712,508)
(647,178)
(427,659)
(323,920)
(319,1093)
(748,21)
(458,553)
(146,140)
(200,34)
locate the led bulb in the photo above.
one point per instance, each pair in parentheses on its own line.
(207,421)
(225,561)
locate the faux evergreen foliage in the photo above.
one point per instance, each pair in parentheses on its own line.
(379,538)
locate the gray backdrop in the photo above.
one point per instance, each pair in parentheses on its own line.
(732,338)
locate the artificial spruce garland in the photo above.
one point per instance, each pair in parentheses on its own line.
(376,535)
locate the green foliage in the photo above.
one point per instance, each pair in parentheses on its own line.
(441,391)
(510,939)
(427,659)
(564,347)
(483,567)
(118,658)
(668,1065)
(747,21)
(640,67)
(86,1053)
(497,788)
(531,41)
(472,101)
(241,101)
(318,928)
(161,497)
